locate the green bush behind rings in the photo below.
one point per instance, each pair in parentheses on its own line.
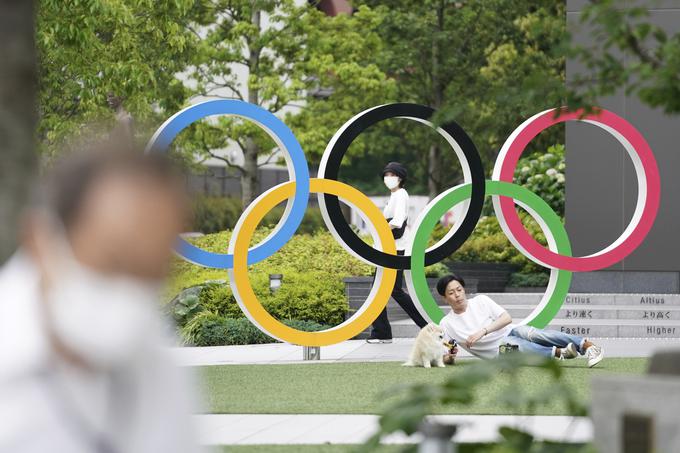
(313,268)
(210,329)
(215,214)
(314,296)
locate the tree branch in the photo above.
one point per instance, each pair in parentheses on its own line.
(269,159)
(225,160)
(635,46)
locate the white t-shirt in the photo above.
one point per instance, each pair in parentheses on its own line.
(481,311)
(397,210)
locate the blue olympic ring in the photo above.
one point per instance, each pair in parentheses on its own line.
(297,169)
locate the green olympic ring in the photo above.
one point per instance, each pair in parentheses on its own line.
(549,221)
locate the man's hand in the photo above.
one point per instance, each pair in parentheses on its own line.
(472,339)
(450,355)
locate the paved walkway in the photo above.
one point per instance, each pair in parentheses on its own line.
(360,351)
(240,429)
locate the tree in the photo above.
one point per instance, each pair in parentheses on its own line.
(17,115)
(280,55)
(100,56)
(347,79)
(651,70)
(470,60)
(524,74)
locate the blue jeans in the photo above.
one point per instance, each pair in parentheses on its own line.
(542,342)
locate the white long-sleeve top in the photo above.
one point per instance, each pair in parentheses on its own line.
(47,405)
(397,209)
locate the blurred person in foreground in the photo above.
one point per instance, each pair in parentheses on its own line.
(84,363)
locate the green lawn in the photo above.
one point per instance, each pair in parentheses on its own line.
(359,388)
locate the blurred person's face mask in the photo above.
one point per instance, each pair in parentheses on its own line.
(100,318)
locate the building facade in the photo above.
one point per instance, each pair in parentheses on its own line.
(601,187)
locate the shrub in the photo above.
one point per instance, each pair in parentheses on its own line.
(215,214)
(186,305)
(311,222)
(210,329)
(543,174)
(306,326)
(437,270)
(306,258)
(316,296)
(314,252)
(522,280)
(488,244)
(218,298)
(313,296)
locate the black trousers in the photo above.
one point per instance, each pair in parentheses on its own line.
(381,325)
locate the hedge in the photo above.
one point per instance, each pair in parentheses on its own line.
(215,214)
(211,329)
(313,268)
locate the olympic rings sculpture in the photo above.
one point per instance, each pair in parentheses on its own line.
(471,194)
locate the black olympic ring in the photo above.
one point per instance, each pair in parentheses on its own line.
(330,166)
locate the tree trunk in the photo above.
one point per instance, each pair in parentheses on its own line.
(433,157)
(123,131)
(249,175)
(433,171)
(18,115)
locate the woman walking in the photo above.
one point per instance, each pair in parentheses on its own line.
(396,213)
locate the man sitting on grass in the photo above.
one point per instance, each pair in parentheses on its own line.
(480,326)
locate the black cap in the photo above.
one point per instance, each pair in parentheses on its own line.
(397,169)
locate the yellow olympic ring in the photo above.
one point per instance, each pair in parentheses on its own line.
(251,306)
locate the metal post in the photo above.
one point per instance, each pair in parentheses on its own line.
(275,282)
(437,438)
(311,353)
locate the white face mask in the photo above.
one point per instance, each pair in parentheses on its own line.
(102,319)
(391,181)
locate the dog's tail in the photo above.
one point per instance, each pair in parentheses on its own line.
(408,363)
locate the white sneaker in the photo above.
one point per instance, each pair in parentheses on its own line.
(568,352)
(594,354)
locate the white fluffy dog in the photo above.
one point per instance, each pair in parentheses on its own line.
(429,348)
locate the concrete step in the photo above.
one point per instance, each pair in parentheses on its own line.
(596,315)
(614,306)
(654,314)
(639,300)
(601,328)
